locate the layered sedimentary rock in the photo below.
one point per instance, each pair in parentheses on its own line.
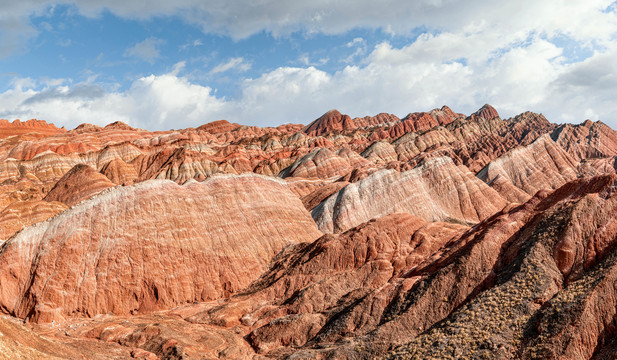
(436,190)
(323,163)
(551,295)
(379,120)
(80,183)
(380,152)
(128,155)
(317,280)
(486,112)
(532,281)
(331,121)
(541,165)
(119,172)
(447,236)
(587,140)
(321,193)
(116,252)
(21,214)
(218,127)
(37,128)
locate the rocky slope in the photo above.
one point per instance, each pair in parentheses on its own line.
(434,235)
(116,253)
(548,295)
(587,140)
(80,183)
(437,190)
(540,165)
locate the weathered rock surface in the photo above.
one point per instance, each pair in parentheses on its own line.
(486,112)
(330,121)
(318,195)
(448,236)
(21,214)
(533,281)
(218,127)
(116,252)
(437,190)
(380,152)
(323,163)
(119,172)
(80,183)
(541,165)
(37,128)
(315,282)
(587,140)
(550,294)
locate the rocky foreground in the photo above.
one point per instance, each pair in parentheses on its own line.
(438,235)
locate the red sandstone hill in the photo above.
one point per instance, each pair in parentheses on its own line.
(37,128)
(432,236)
(117,253)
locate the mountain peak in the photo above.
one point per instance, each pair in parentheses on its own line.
(332,120)
(486,112)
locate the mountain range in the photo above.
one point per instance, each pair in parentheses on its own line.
(438,235)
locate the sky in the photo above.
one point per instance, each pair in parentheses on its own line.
(160,64)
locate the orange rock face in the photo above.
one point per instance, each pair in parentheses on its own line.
(37,128)
(115,253)
(588,140)
(21,214)
(218,127)
(332,120)
(398,286)
(80,183)
(540,165)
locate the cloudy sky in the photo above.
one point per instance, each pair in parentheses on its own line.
(161,64)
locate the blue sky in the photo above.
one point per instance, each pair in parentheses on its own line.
(158,65)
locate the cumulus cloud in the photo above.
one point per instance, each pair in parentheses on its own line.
(153,102)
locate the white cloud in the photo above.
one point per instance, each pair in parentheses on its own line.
(583,20)
(194,43)
(531,76)
(146,50)
(355,42)
(360,49)
(153,102)
(305,60)
(236,63)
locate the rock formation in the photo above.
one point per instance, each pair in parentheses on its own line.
(33,127)
(549,295)
(437,190)
(435,235)
(20,214)
(540,165)
(587,140)
(117,253)
(80,183)
(331,121)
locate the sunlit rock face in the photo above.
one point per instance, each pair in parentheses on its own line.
(150,246)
